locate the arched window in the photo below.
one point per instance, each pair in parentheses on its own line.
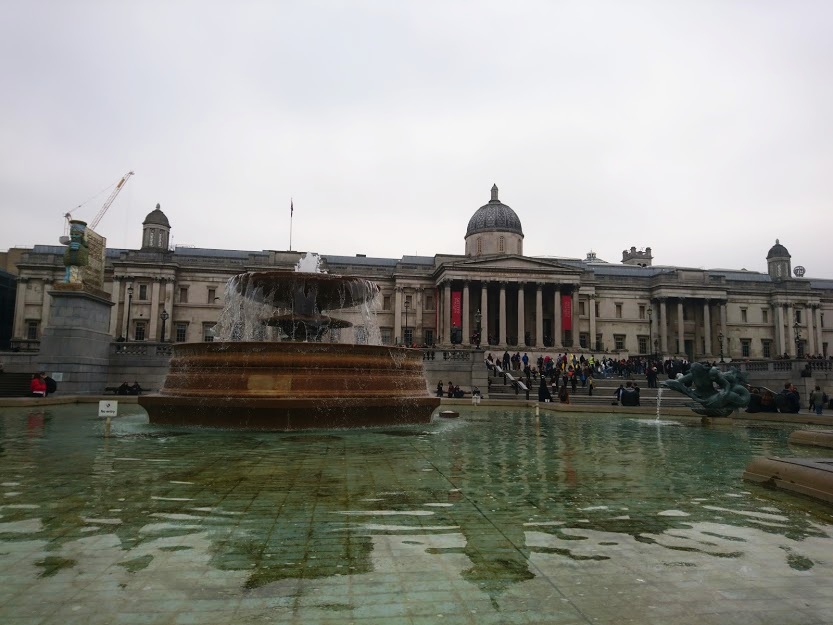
(479,246)
(150,243)
(501,245)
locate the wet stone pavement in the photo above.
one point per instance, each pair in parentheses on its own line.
(498,517)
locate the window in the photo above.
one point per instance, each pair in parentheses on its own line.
(208,332)
(429,302)
(180,332)
(685,314)
(212,295)
(798,316)
(643,344)
(143,292)
(386,302)
(642,313)
(618,312)
(409,336)
(581,310)
(619,341)
(599,346)
(361,335)
(428,337)
(141,328)
(386,334)
(479,246)
(743,316)
(767,348)
(744,347)
(409,301)
(596,307)
(821,320)
(583,340)
(150,237)
(183,295)
(32,330)
(764,315)
(501,244)
(520,247)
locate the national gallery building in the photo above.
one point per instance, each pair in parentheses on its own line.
(491,294)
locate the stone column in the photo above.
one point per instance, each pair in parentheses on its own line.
(819,342)
(556,320)
(169,306)
(791,331)
(114,311)
(663,326)
(447,313)
(419,299)
(779,330)
(680,328)
(397,315)
(20,309)
(126,312)
(591,303)
(539,316)
(502,313)
(484,313)
(521,315)
(466,325)
(724,328)
(46,305)
(811,339)
(154,310)
(707,327)
(575,331)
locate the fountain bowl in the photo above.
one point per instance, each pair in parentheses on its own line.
(291,386)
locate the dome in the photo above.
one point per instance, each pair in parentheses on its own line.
(778,251)
(494,216)
(156,217)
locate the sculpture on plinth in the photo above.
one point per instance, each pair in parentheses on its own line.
(716,393)
(76,255)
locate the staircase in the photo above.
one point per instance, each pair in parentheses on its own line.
(602,392)
(15,384)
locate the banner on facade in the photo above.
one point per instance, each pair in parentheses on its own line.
(566,312)
(456,309)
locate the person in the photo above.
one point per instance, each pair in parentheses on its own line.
(124,389)
(817,400)
(543,392)
(135,389)
(590,386)
(450,391)
(37,386)
(439,388)
(618,395)
(51,385)
(629,395)
(563,395)
(788,400)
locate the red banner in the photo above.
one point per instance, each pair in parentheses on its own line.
(456,309)
(566,312)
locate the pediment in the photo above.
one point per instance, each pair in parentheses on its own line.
(511,263)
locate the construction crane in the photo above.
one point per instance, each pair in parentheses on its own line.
(119,186)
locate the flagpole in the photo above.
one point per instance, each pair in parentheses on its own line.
(291,214)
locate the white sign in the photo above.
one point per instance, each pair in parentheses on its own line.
(108,408)
(58,377)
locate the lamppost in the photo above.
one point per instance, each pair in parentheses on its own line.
(477,319)
(656,347)
(797,329)
(164,317)
(651,324)
(129,302)
(405,332)
(720,338)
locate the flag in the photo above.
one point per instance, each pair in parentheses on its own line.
(291,208)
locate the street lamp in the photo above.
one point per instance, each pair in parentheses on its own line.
(650,312)
(720,338)
(164,317)
(477,319)
(129,302)
(405,333)
(797,329)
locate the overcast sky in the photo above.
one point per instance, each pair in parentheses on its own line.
(701,129)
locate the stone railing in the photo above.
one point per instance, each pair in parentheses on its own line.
(24,345)
(782,367)
(459,355)
(141,348)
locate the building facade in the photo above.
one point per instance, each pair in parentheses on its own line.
(492,295)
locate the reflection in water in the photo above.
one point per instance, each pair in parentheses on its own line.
(499,511)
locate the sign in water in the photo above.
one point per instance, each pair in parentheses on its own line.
(108,408)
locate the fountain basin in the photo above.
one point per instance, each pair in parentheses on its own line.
(291,386)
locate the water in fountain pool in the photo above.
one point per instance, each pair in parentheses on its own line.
(497,517)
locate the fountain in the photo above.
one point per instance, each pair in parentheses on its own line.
(715,393)
(280,361)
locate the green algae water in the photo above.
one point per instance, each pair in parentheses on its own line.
(496,517)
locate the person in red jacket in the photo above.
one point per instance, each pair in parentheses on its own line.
(38,385)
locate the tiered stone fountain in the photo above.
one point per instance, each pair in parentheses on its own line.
(280,363)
